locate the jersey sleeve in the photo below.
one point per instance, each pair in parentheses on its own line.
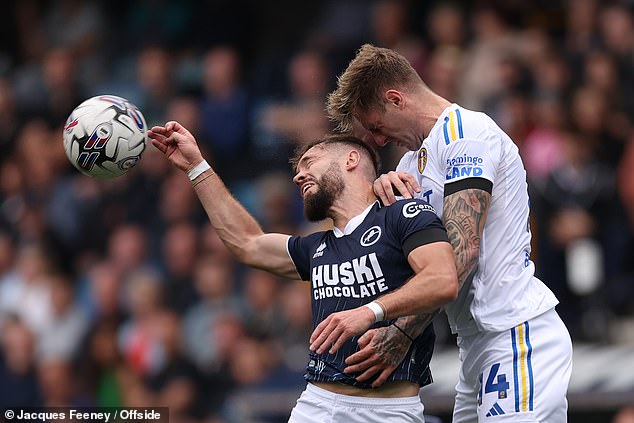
(471,163)
(415,223)
(299,249)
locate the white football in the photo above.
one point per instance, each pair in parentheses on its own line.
(105,136)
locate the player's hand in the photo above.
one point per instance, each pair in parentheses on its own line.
(404,183)
(337,328)
(381,351)
(177,144)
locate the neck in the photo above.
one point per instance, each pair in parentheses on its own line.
(351,203)
(431,107)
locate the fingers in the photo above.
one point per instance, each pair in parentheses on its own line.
(366,338)
(327,333)
(318,331)
(402,187)
(412,183)
(383,189)
(178,128)
(169,128)
(369,373)
(405,184)
(360,361)
(160,146)
(383,376)
(158,130)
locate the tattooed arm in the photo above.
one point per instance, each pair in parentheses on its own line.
(464,215)
(383,349)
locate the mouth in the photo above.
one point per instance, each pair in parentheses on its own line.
(306,187)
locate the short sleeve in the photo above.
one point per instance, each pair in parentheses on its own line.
(471,163)
(299,254)
(300,250)
(415,223)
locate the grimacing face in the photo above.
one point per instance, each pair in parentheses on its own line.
(395,124)
(320,182)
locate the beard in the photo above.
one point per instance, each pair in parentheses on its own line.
(330,185)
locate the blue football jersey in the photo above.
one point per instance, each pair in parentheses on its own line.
(352,270)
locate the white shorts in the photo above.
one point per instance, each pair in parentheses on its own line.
(321,406)
(519,375)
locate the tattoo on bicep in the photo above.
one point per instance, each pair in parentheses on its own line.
(464,216)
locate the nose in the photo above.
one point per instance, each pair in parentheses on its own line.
(297,179)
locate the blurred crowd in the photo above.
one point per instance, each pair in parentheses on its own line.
(119,292)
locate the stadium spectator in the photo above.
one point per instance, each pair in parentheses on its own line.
(65,330)
(215,284)
(17,364)
(179,253)
(225,111)
(297,117)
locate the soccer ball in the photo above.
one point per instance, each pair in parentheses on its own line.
(105,136)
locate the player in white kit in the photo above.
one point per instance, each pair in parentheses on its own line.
(515,351)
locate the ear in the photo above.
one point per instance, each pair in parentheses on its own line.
(353,159)
(395,98)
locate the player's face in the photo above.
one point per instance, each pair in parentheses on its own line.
(320,183)
(379,128)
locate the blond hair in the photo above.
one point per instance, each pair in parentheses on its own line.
(361,85)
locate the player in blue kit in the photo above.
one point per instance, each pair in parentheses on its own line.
(378,263)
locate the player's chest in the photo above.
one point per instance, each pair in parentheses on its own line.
(365,258)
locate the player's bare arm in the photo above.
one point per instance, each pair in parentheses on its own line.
(433,284)
(235,226)
(464,216)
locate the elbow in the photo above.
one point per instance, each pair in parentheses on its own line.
(447,290)
(452,287)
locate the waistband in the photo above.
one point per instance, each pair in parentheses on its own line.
(361,402)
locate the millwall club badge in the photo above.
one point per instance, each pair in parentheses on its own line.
(422,159)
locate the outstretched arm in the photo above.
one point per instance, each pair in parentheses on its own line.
(235,226)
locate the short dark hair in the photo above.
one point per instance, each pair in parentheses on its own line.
(338,139)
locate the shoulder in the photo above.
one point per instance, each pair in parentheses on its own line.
(308,241)
(408,161)
(457,123)
(409,208)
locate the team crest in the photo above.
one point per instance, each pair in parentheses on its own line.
(371,236)
(422,159)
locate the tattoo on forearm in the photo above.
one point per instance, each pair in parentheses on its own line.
(391,345)
(415,324)
(464,216)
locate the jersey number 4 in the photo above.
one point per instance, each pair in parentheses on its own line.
(495,383)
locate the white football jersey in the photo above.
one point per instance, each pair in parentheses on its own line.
(466,149)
